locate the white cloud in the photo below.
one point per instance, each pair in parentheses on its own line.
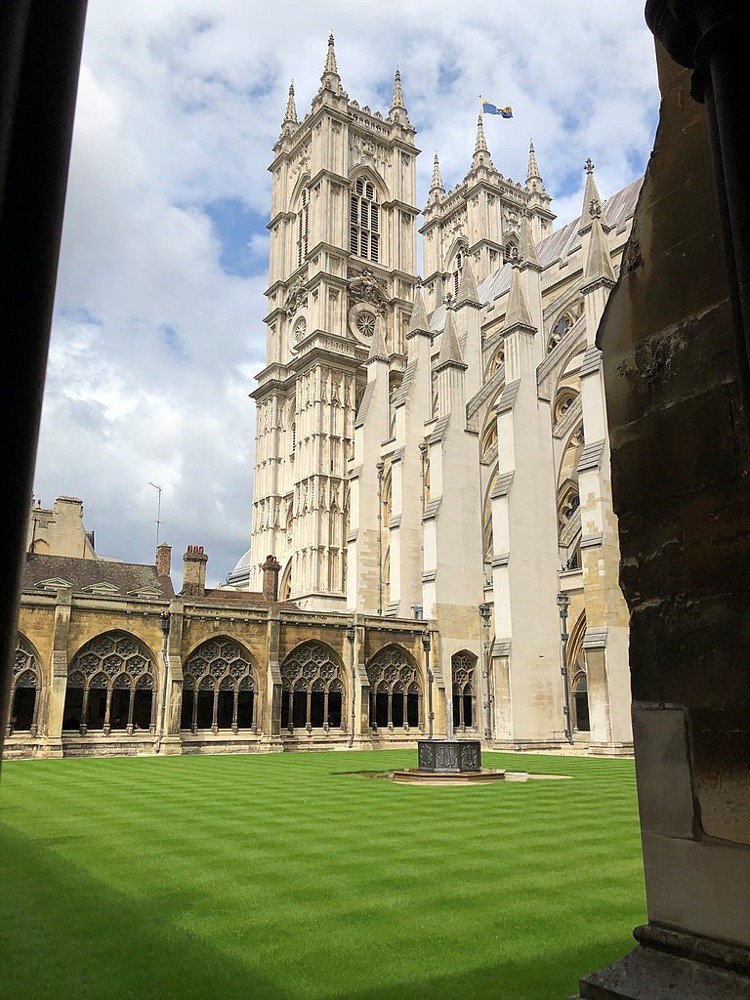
(180,101)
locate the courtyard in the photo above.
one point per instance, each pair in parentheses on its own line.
(297,877)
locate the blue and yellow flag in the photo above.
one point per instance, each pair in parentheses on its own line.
(492,109)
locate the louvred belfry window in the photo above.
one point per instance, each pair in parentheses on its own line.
(303,227)
(364,221)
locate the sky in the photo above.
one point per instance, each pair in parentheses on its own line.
(158,328)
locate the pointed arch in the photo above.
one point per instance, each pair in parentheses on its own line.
(112,684)
(313,688)
(396,689)
(578,674)
(464,675)
(25,689)
(220,688)
(366,196)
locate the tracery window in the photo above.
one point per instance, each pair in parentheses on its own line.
(111,684)
(565,399)
(562,325)
(395,690)
(25,684)
(463,669)
(312,689)
(220,687)
(364,221)
(303,227)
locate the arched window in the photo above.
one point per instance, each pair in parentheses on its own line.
(303,227)
(463,669)
(458,266)
(220,687)
(565,399)
(25,684)
(395,690)
(111,683)
(312,689)
(364,221)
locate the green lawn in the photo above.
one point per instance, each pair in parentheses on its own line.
(283,877)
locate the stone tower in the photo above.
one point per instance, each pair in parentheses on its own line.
(342,269)
(480,218)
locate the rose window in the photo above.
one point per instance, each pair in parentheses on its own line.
(366,324)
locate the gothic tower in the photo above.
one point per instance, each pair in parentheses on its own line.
(342,264)
(480,218)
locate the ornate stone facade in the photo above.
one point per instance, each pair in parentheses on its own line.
(425,446)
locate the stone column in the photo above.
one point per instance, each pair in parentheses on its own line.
(676,394)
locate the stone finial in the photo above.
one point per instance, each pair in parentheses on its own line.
(290,115)
(330,80)
(398,94)
(271,568)
(330,66)
(592,202)
(481,152)
(378,350)
(437,191)
(532,173)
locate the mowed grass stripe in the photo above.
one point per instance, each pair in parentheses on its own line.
(293,876)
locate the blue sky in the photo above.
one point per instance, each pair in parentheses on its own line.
(158,329)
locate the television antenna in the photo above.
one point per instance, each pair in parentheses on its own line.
(158,510)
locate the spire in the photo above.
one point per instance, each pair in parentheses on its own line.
(534,180)
(437,191)
(290,115)
(450,349)
(330,80)
(398,94)
(419,322)
(467,289)
(592,202)
(527,250)
(518,313)
(331,57)
(481,153)
(533,171)
(398,108)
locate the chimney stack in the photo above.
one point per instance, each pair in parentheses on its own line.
(271,569)
(194,572)
(164,560)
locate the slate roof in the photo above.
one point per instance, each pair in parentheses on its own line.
(84,574)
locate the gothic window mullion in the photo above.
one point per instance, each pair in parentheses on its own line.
(215,717)
(194,723)
(107,726)
(325,709)
(131,706)
(390,708)
(85,710)
(235,705)
(308,709)
(405,696)
(35,713)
